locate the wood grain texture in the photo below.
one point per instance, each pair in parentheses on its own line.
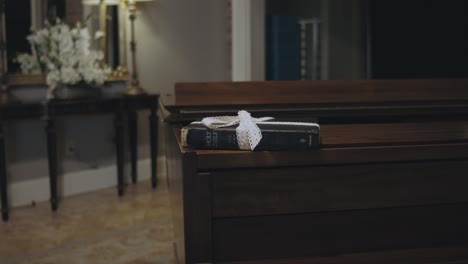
(353,100)
(340,232)
(212,159)
(328,114)
(175,186)
(311,92)
(190,196)
(197,211)
(357,143)
(315,189)
(447,255)
(389,175)
(403,133)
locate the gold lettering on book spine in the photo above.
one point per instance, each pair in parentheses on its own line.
(183,136)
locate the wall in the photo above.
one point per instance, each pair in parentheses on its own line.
(184,40)
(248,40)
(343,40)
(177,40)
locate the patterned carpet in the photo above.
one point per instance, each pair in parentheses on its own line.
(97,227)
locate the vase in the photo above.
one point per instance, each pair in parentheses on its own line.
(76,91)
(113,89)
(28,93)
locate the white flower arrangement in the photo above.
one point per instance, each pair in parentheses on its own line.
(64,54)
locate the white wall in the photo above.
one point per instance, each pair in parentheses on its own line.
(248,40)
(177,40)
(181,40)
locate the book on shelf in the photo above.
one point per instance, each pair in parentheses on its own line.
(275,136)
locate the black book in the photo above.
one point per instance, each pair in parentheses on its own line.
(275,136)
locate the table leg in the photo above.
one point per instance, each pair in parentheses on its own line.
(119,143)
(154,145)
(52,157)
(133,132)
(3,176)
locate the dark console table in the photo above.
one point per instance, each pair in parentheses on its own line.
(388,184)
(50,112)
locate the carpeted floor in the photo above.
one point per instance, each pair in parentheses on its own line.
(97,227)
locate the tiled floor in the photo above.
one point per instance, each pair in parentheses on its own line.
(97,227)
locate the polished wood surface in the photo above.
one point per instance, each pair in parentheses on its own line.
(389,175)
(330,188)
(357,143)
(447,255)
(403,133)
(285,93)
(339,232)
(193,238)
(330,101)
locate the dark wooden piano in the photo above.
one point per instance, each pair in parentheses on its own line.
(389,183)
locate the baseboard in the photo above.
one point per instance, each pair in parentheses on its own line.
(38,190)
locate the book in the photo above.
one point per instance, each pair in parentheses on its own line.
(275,136)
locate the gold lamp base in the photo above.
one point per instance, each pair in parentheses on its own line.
(135,89)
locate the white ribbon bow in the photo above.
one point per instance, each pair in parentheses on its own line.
(248,134)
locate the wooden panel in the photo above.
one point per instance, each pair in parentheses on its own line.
(449,255)
(335,233)
(393,133)
(327,115)
(385,134)
(190,199)
(358,99)
(220,159)
(299,190)
(358,143)
(197,209)
(175,183)
(313,92)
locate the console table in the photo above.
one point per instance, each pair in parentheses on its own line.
(387,185)
(50,112)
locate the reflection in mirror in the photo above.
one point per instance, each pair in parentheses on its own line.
(105,16)
(366,39)
(18,26)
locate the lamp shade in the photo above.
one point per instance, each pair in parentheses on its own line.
(135,1)
(98,2)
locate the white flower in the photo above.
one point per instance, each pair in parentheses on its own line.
(65,55)
(99,34)
(65,41)
(53,78)
(69,75)
(82,42)
(28,63)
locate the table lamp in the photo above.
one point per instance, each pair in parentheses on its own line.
(134,87)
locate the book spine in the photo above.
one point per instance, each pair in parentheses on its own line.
(212,139)
(271,140)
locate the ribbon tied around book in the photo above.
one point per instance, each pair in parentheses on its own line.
(248,134)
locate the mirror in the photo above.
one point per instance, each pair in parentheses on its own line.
(18,26)
(108,16)
(366,39)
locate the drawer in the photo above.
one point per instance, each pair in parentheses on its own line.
(339,232)
(314,189)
